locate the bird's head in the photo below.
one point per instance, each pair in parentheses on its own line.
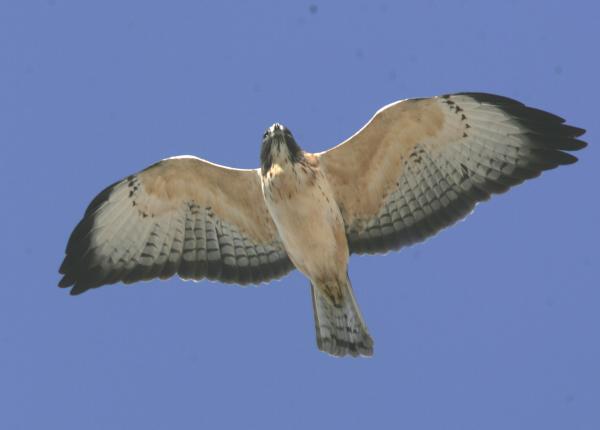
(278,146)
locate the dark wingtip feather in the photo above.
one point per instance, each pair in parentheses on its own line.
(78,289)
(575,131)
(519,109)
(548,133)
(66,281)
(74,267)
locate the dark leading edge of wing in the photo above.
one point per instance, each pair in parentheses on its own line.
(411,217)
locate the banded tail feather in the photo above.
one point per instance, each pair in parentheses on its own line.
(341,329)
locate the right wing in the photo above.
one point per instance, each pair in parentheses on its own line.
(421,165)
(182,216)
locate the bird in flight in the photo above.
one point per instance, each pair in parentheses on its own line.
(417,166)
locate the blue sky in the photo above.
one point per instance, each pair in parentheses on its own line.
(492,324)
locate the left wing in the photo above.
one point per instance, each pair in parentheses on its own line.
(420,165)
(182,216)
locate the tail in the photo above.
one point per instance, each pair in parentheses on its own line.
(341,329)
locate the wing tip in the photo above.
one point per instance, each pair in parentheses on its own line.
(71,279)
(65,282)
(78,289)
(547,126)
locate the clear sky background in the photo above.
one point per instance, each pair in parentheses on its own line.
(493,324)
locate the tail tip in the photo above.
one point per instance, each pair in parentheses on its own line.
(340,347)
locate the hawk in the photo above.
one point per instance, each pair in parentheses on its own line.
(417,166)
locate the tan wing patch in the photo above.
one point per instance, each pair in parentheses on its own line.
(224,190)
(378,152)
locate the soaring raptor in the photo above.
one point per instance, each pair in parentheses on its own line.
(417,166)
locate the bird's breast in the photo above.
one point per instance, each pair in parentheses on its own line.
(307,217)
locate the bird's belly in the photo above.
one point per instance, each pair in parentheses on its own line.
(311,228)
